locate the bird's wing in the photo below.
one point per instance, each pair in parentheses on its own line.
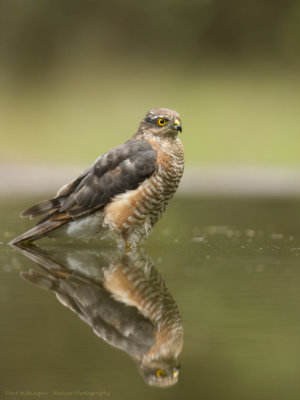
(123,168)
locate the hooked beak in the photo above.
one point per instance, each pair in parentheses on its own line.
(177,125)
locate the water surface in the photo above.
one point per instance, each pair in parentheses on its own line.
(231,266)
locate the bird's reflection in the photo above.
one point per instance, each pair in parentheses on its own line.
(123,298)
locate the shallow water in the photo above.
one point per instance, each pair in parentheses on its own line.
(230,265)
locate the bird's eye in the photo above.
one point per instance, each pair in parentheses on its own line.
(162,121)
(160,373)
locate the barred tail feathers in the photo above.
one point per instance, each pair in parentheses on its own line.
(43,207)
(39,231)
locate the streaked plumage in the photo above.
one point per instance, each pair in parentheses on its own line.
(124,192)
(124,299)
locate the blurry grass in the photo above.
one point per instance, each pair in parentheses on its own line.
(228,117)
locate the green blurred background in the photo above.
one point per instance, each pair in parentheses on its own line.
(77,76)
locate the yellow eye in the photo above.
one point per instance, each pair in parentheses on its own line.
(162,121)
(160,373)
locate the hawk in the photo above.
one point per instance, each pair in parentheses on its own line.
(125,191)
(125,301)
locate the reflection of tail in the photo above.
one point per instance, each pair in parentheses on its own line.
(39,256)
(39,231)
(40,280)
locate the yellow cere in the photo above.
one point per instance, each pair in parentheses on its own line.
(176,122)
(160,373)
(161,121)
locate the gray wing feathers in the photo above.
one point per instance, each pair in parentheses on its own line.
(47,206)
(123,168)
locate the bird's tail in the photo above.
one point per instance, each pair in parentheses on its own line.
(43,207)
(38,231)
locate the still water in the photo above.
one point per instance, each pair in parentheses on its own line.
(87,321)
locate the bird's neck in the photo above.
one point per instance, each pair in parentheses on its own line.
(146,135)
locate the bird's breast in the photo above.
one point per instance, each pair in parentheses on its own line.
(141,208)
(170,166)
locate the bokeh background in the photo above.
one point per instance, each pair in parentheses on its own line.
(77,76)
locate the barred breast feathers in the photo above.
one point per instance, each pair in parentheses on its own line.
(151,198)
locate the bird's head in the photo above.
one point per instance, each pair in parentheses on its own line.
(161,122)
(160,372)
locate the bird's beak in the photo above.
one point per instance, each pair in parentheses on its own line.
(177,125)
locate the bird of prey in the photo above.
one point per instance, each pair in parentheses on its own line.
(125,301)
(125,191)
